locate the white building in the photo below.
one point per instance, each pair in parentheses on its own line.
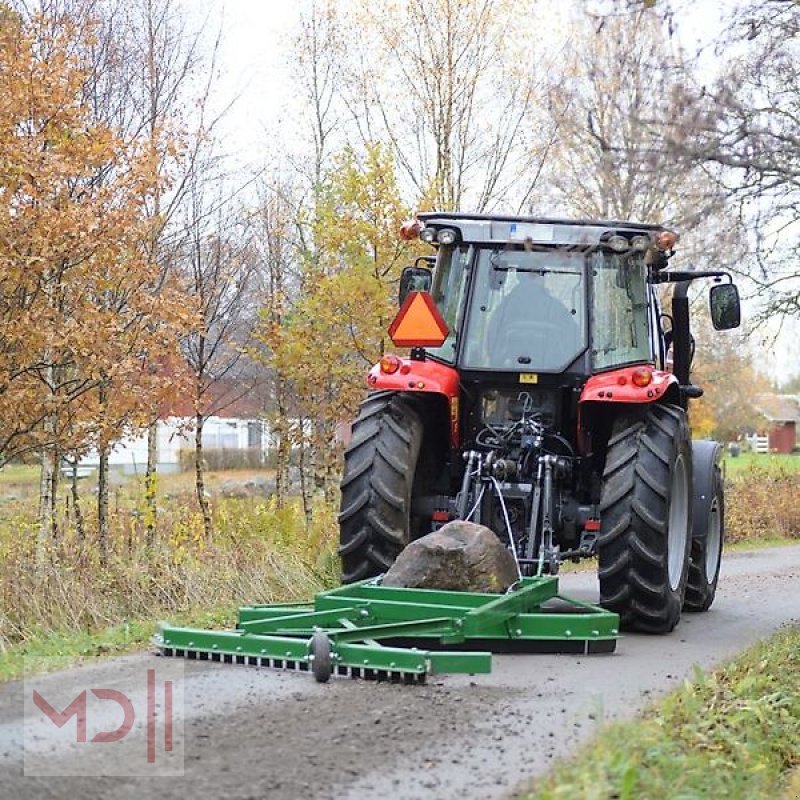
(129,454)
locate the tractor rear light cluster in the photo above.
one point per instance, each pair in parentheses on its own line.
(642,377)
(445,236)
(390,364)
(619,244)
(428,235)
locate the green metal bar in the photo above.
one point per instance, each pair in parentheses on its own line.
(253,613)
(345,623)
(401,659)
(234,643)
(557,626)
(306,621)
(432,627)
(531,594)
(369,591)
(470,663)
(392,610)
(346,654)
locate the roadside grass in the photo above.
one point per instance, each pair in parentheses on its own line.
(57,649)
(733,733)
(767,462)
(70,603)
(761,499)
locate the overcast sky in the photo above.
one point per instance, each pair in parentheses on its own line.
(256,50)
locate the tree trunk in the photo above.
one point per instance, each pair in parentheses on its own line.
(150,484)
(200,484)
(305,491)
(284,447)
(46,502)
(102,504)
(54,478)
(80,529)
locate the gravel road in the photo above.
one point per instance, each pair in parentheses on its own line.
(251,733)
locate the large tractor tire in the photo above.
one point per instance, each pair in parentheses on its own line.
(708,532)
(380,465)
(646,518)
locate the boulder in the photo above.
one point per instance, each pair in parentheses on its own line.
(460,556)
(257,486)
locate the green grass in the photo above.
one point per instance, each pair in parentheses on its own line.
(760,543)
(19,474)
(733,733)
(768,462)
(60,649)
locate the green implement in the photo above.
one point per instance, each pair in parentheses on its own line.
(366,630)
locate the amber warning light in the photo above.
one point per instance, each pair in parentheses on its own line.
(418,323)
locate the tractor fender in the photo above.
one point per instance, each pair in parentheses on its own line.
(618,386)
(705,457)
(422,377)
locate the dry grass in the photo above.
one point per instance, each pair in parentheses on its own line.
(260,554)
(761,502)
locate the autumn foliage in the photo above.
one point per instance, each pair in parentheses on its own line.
(78,295)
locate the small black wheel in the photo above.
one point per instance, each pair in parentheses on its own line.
(320,650)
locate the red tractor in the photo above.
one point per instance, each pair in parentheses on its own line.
(545,396)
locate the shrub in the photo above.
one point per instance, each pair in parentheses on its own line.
(260,554)
(761,502)
(225,458)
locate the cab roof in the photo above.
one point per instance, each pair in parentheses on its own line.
(489,229)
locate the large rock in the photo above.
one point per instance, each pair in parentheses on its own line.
(460,556)
(257,486)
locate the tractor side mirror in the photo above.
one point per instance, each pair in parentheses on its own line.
(725,308)
(414,279)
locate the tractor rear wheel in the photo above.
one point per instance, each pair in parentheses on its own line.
(707,539)
(646,513)
(380,465)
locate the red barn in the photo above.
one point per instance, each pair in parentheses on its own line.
(782,414)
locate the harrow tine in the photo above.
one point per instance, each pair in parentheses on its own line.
(295,665)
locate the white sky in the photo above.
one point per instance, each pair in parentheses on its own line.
(256,48)
(254,66)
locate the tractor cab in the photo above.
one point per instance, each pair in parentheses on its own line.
(544,297)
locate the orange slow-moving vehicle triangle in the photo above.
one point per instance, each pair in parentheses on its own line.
(418,323)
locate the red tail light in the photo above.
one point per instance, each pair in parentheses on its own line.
(642,377)
(390,364)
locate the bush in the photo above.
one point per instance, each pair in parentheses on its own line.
(761,502)
(217,460)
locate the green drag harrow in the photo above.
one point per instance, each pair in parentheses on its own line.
(366,630)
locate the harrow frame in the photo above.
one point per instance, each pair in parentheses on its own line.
(377,632)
